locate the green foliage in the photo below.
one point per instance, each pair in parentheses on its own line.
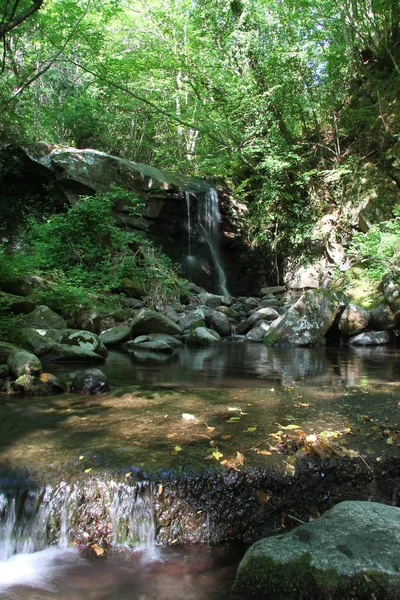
(379,249)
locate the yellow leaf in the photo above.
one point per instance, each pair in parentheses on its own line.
(88,470)
(264,452)
(251,429)
(212,442)
(290,427)
(178,448)
(350,453)
(239,458)
(160,489)
(171,435)
(99,551)
(390,441)
(217,454)
(232,419)
(226,437)
(127,475)
(81,457)
(210,429)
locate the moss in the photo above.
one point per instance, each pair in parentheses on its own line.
(262,578)
(360,288)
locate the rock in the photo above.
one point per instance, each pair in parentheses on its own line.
(150,321)
(155,342)
(4,371)
(18,305)
(24,363)
(56,384)
(91,381)
(115,335)
(201,336)
(131,303)
(171,313)
(46,318)
(195,289)
(353,320)
(218,322)
(391,291)
(32,386)
(382,317)
(250,303)
(86,340)
(19,286)
(307,322)
(275,289)
(53,351)
(88,320)
(257,334)
(269,303)
(262,314)
(372,338)
(211,300)
(351,551)
(133,289)
(6,349)
(194,318)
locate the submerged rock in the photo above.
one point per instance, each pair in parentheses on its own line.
(372,338)
(155,342)
(91,381)
(29,385)
(349,552)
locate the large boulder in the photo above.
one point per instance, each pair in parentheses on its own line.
(219,322)
(351,551)
(46,348)
(115,335)
(308,320)
(18,305)
(151,321)
(86,340)
(257,334)
(353,320)
(24,363)
(382,317)
(46,318)
(193,318)
(90,381)
(30,385)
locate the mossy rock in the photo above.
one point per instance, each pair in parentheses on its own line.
(349,552)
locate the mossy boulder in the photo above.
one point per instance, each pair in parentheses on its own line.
(45,317)
(307,322)
(115,335)
(351,551)
(353,320)
(151,321)
(53,351)
(22,362)
(201,336)
(30,385)
(154,342)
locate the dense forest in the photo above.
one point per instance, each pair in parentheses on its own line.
(291,106)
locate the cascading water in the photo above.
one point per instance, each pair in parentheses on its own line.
(38,527)
(209,216)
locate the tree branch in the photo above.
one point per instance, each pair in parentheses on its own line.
(15,20)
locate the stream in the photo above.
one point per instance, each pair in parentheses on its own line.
(71,466)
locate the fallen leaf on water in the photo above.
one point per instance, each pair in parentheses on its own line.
(289,427)
(226,437)
(188,417)
(239,458)
(233,463)
(171,435)
(212,442)
(81,457)
(390,441)
(263,497)
(127,475)
(264,452)
(88,470)
(99,551)
(160,489)
(217,454)
(210,429)
(302,404)
(350,453)
(176,450)
(251,429)
(234,409)
(232,419)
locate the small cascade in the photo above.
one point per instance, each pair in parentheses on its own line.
(32,520)
(188,224)
(208,222)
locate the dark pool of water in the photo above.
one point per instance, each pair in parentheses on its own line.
(240,364)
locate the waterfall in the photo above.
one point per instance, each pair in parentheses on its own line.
(208,221)
(188,224)
(32,520)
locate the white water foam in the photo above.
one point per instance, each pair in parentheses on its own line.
(36,569)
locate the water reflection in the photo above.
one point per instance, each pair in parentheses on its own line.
(236,364)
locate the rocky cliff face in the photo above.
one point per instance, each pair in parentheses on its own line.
(47,177)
